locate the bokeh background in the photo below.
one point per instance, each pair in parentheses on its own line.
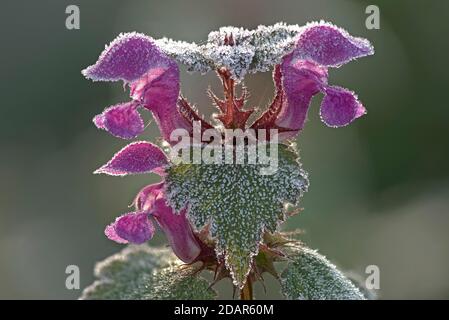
(379,188)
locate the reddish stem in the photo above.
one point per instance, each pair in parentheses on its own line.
(232,115)
(247,291)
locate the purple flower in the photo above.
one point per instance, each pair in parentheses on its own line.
(304,72)
(121,120)
(154,81)
(175,226)
(136,227)
(131,227)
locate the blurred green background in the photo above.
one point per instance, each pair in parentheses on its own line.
(379,188)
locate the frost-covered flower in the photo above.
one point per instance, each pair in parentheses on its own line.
(154,81)
(299,57)
(303,73)
(136,227)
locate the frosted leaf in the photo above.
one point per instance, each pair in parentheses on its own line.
(310,276)
(189,54)
(230,47)
(237,202)
(272,43)
(241,50)
(237,49)
(179,282)
(118,275)
(236,59)
(143,272)
(230,36)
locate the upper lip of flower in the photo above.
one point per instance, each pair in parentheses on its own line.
(154,81)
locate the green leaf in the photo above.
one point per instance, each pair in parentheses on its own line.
(310,276)
(189,54)
(142,272)
(180,283)
(272,43)
(237,202)
(253,51)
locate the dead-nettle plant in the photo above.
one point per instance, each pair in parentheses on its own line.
(221,218)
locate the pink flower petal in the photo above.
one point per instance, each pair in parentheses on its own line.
(137,157)
(131,227)
(301,80)
(178,231)
(158,91)
(340,107)
(127,58)
(121,120)
(329,45)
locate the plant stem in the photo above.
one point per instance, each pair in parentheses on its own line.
(247,291)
